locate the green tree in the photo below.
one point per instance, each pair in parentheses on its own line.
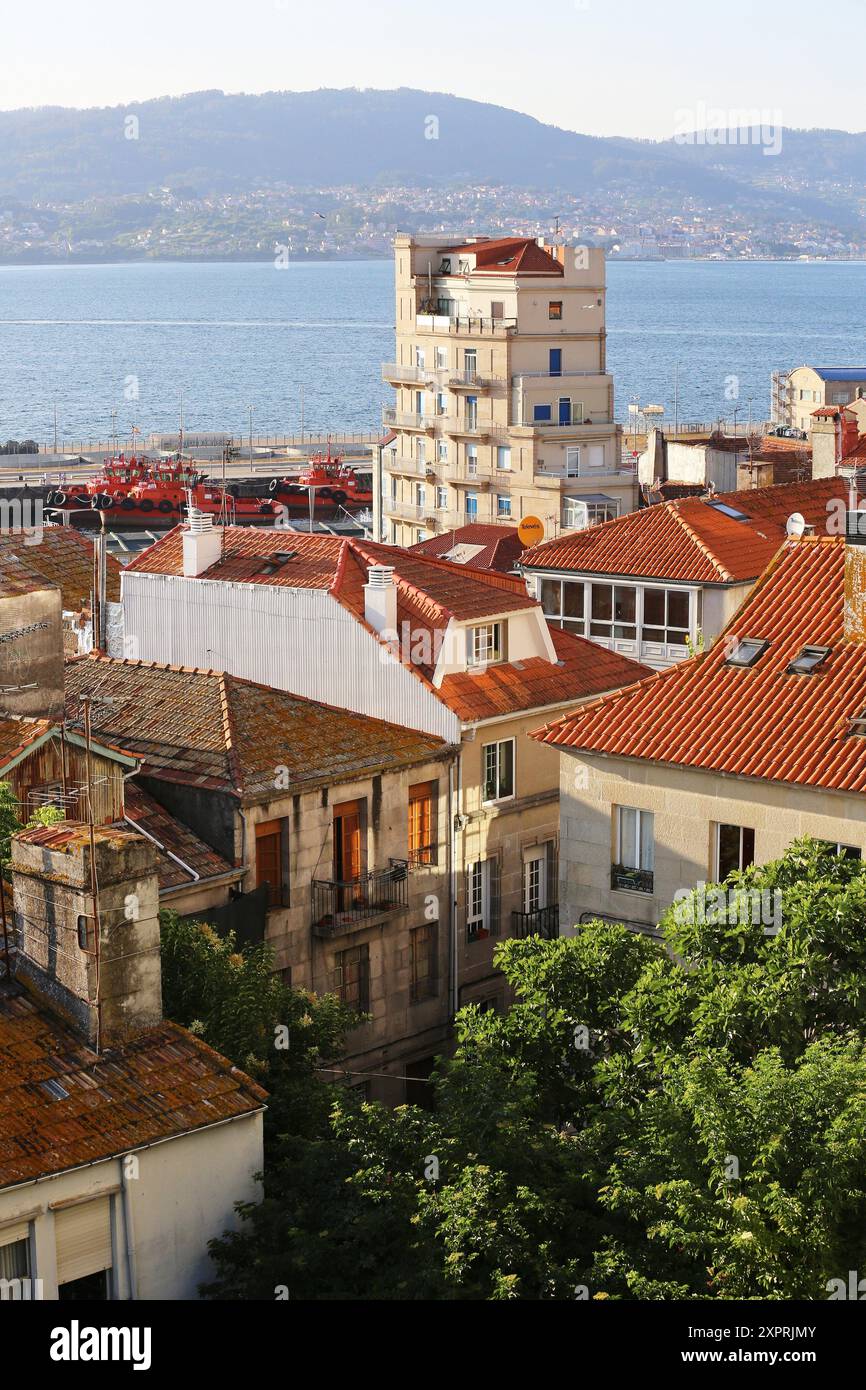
(650,1119)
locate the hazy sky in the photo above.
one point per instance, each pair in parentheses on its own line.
(606,67)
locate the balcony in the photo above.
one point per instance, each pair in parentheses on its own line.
(413,466)
(472,427)
(631,880)
(413,376)
(468,381)
(543,922)
(422,514)
(597,420)
(345,905)
(480,326)
(460,473)
(408,420)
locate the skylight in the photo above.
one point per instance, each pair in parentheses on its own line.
(55,1090)
(808,661)
(728,511)
(858,725)
(746,651)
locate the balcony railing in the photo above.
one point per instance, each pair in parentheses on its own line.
(631,880)
(472,426)
(544,922)
(339,905)
(410,511)
(419,376)
(408,419)
(601,418)
(443,323)
(468,381)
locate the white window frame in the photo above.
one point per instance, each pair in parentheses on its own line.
(503,458)
(503,504)
(716,867)
(485,644)
(441,499)
(495,749)
(535,873)
(644,837)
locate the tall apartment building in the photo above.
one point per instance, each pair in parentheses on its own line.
(504,404)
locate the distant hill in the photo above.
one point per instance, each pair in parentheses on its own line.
(212,143)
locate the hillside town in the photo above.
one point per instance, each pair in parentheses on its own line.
(334,815)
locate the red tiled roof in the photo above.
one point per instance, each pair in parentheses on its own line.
(757,721)
(500,546)
(583,668)
(690,539)
(161,1085)
(222,733)
(509,256)
(63,557)
(18,734)
(174,838)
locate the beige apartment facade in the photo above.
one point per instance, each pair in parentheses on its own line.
(504,406)
(809,388)
(691,823)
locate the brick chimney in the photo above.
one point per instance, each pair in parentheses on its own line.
(105,979)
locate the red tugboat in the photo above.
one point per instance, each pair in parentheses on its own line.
(136,490)
(335,486)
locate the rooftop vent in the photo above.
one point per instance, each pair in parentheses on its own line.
(380,576)
(746,651)
(808,661)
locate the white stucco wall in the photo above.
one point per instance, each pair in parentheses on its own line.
(182,1196)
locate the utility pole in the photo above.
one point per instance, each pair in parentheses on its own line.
(94,883)
(676,398)
(55,427)
(251,438)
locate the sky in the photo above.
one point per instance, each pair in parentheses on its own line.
(601,67)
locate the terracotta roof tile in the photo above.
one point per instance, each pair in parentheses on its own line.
(690,539)
(486,547)
(63,557)
(144,813)
(583,669)
(160,1085)
(758,721)
(219,732)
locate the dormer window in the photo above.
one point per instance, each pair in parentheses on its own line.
(746,651)
(485,644)
(445,267)
(464,267)
(808,661)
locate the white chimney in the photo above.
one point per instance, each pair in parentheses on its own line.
(380,599)
(202,544)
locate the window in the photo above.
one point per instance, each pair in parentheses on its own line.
(613,611)
(808,661)
(539,876)
(422,823)
(633,869)
(471,506)
(732,512)
(86,933)
(441,499)
(445,266)
(441,358)
(14,1256)
(542,414)
(269,861)
(746,652)
(482,899)
(555,362)
(498,768)
(554,309)
(441,403)
(497,309)
(485,644)
(572,463)
(665,616)
(471,412)
(470,361)
(836,847)
(82,1235)
(420,495)
(422,961)
(421,450)
(503,506)
(735,849)
(503,458)
(442,450)
(352,978)
(419,358)
(472,460)
(562,601)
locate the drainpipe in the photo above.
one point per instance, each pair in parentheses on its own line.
(127,1229)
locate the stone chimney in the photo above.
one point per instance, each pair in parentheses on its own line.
(31,647)
(104,982)
(202,544)
(380,599)
(833,435)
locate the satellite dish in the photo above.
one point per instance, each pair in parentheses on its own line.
(796,524)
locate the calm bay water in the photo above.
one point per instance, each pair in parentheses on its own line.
(130,338)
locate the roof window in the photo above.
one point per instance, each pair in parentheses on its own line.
(728,511)
(808,661)
(746,651)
